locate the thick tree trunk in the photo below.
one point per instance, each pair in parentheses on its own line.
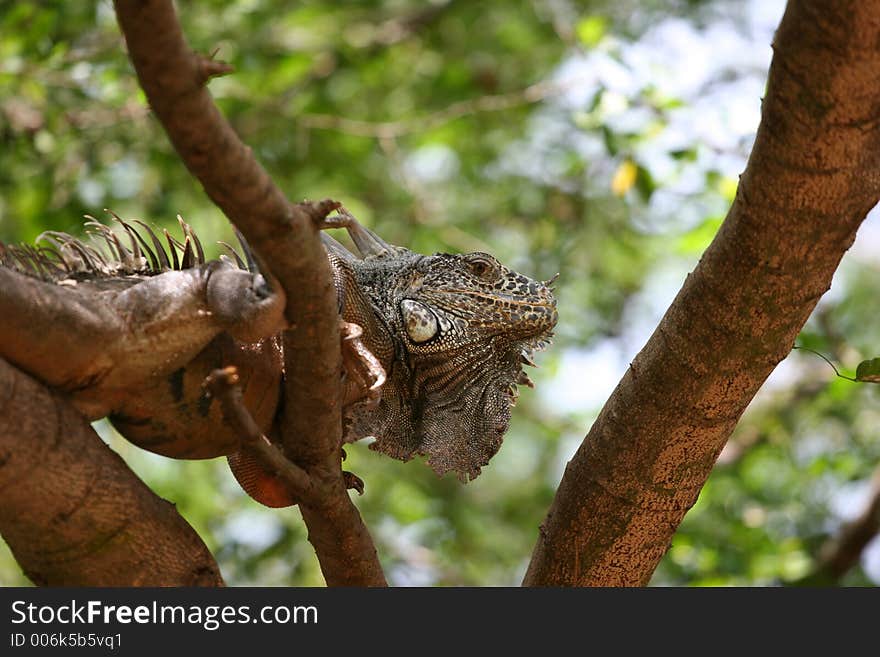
(73,513)
(812,177)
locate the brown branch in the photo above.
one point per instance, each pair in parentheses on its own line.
(283,234)
(811,179)
(73,513)
(842,552)
(286,237)
(212,68)
(392,129)
(785,406)
(224,386)
(337,541)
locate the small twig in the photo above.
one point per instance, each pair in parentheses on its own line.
(212,68)
(843,552)
(392,129)
(224,385)
(813,351)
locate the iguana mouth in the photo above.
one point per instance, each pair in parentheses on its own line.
(511,299)
(530,319)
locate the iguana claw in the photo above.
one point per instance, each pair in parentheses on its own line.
(365,375)
(353,482)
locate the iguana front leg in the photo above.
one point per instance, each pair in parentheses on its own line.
(364,374)
(367,242)
(364,345)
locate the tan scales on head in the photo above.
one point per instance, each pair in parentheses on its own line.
(458,329)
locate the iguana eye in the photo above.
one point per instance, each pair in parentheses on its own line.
(481,267)
(421,323)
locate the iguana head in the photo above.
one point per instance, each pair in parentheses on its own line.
(457,300)
(465,325)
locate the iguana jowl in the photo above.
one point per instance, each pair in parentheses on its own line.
(133,336)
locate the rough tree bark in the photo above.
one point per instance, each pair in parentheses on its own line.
(286,236)
(73,513)
(813,175)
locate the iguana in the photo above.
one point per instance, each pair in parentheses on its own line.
(132,335)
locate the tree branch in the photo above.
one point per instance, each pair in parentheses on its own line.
(224,385)
(842,552)
(811,179)
(534,93)
(73,513)
(286,237)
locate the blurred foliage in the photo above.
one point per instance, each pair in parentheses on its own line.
(454,126)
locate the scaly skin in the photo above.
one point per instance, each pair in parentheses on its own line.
(451,332)
(133,335)
(447,335)
(99,340)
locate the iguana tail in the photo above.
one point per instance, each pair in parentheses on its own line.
(259,483)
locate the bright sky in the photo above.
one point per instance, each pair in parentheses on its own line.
(722,114)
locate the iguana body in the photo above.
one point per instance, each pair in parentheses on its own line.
(450,332)
(100,329)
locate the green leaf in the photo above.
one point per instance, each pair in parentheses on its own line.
(868,371)
(645,183)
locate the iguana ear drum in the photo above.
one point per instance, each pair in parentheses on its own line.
(421,323)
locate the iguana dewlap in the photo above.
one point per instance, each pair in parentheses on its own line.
(134,340)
